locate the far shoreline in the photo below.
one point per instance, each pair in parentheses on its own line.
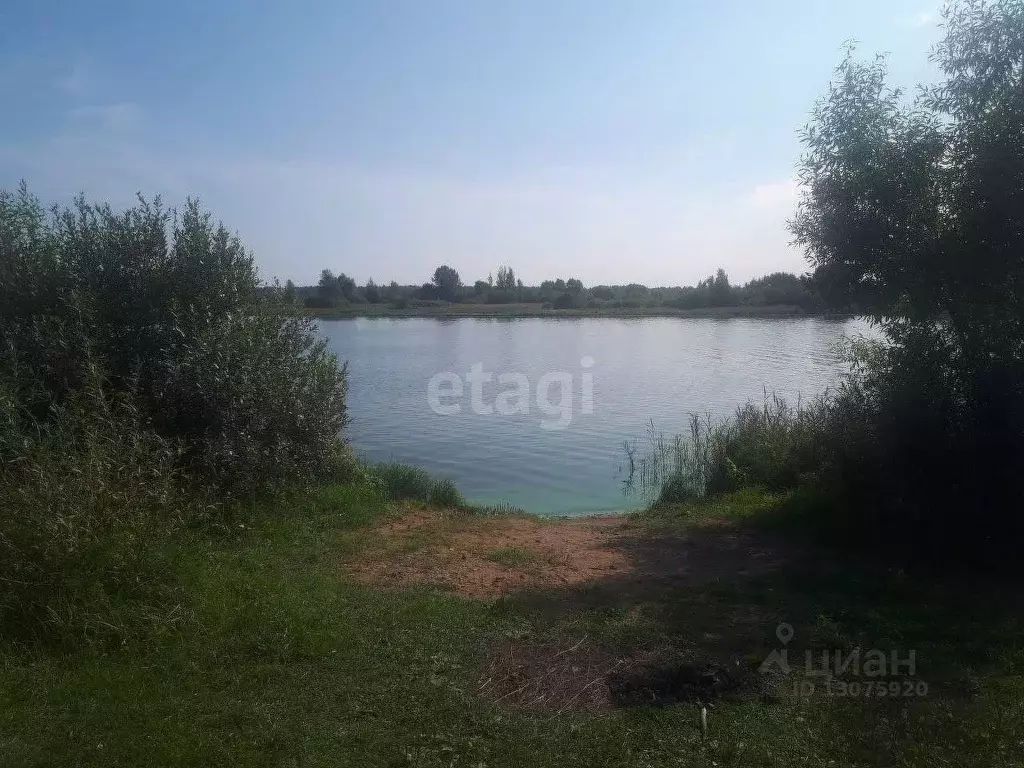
(538,310)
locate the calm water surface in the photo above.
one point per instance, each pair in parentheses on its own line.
(659,369)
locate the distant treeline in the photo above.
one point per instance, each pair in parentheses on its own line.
(808,292)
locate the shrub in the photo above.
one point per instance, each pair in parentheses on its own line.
(925,462)
(258,399)
(143,371)
(171,309)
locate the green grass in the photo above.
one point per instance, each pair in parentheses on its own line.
(285,662)
(501,509)
(741,505)
(514,557)
(401,482)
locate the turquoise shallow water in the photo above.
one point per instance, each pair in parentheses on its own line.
(600,383)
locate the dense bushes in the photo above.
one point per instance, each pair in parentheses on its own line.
(143,373)
(170,310)
(256,398)
(928,457)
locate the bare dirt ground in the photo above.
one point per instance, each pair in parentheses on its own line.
(564,568)
(488,557)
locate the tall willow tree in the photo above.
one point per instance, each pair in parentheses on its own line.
(913,209)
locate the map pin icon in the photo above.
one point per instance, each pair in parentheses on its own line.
(784,632)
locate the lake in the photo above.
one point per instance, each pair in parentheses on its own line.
(535,412)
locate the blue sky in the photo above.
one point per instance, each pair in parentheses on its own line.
(636,140)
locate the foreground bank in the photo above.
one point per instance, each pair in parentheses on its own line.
(337,627)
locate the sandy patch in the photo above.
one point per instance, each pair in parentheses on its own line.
(488,557)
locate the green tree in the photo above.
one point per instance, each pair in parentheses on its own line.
(918,206)
(506,279)
(328,290)
(290,292)
(346,286)
(447,282)
(719,290)
(913,210)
